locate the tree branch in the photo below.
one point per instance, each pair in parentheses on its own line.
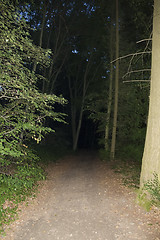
(128,81)
(135,71)
(131,54)
(4,94)
(144,40)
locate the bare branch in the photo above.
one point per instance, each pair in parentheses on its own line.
(144,40)
(131,54)
(135,71)
(128,81)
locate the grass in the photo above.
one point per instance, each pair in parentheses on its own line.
(14,190)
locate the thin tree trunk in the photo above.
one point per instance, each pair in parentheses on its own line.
(114,130)
(73,111)
(75,142)
(57,49)
(84,90)
(151,155)
(110,92)
(56,75)
(41,33)
(44,87)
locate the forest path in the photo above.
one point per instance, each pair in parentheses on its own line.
(83,199)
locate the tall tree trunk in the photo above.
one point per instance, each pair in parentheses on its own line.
(151,155)
(73,111)
(110,91)
(75,141)
(114,130)
(77,118)
(53,73)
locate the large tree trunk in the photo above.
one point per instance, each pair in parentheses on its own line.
(151,155)
(113,143)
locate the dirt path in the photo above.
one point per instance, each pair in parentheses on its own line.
(83,199)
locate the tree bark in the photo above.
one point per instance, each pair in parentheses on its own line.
(151,155)
(114,130)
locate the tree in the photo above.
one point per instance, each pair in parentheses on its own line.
(78,28)
(23,107)
(79,83)
(151,155)
(83,64)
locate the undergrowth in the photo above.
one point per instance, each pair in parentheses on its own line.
(15,188)
(129,169)
(130,172)
(54,147)
(149,195)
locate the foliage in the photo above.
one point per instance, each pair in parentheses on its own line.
(96,107)
(16,186)
(23,107)
(153,188)
(132,151)
(53,147)
(104,155)
(149,195)
(132,118)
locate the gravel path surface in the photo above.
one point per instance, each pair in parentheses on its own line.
(83,199)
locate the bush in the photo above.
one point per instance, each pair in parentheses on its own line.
(104,155)
(149,195)
(153,188)
(131,151)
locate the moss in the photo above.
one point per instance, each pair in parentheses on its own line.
(143,200)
